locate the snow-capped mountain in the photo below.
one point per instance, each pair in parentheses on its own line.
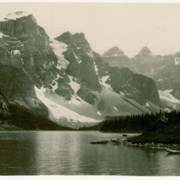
(66,77)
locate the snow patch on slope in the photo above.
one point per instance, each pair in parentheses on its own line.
(1,35)
(90,54)
(103,82)
(59,112)
(74,85)
(77,58)
(75,99)
(22,61)
(95,68)
(115,108)
(167,96)
(177,61)
(59,48)
(54,84)
(99,113)
(15,52)
(147,104)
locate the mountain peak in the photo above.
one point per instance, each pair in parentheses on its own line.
(21,25)
(78,40)
(114,51)
(16,15)
(66,36)
(79,35)
(145,51)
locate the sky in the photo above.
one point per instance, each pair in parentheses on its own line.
(128,26)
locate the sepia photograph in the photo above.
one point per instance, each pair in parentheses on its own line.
(89,88)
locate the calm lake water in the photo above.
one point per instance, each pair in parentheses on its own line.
(70,153)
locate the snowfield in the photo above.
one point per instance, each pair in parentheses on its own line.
(167,96)
(58,49)
(60,113)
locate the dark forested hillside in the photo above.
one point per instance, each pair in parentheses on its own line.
(159,128)
(19,118)
(140,123)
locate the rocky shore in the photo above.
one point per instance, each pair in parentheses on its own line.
(152,145)
(126,142)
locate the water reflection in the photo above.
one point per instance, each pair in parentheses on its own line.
(71,153)
(17,152)
(56,153)
(168,164)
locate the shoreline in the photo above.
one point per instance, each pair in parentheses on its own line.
(148,145)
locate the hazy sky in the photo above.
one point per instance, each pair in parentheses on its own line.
(129,26)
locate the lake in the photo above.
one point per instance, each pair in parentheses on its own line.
(70,153)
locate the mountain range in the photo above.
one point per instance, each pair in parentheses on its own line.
(164,70)
(66,83)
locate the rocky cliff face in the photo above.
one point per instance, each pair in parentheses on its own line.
(25,45)
(164,70)
(18,89)
(19,106)
(81,66)
(166,74)
(24,52)
(74,83)
(134,86)
(91,71)
(116,58)
(4,110)
(143,61)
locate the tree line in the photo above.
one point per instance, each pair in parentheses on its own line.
(141,123)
